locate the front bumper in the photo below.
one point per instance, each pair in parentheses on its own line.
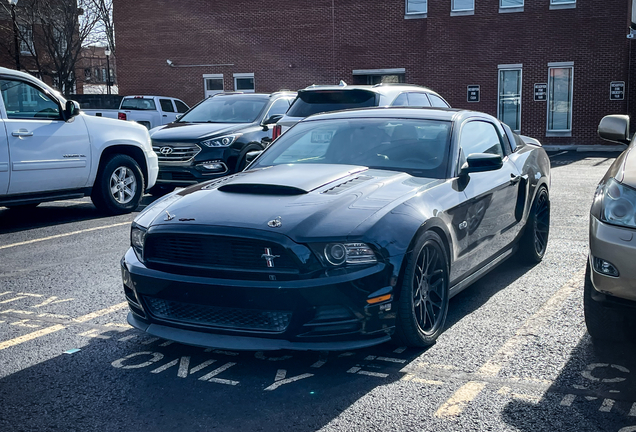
(327,313)
(615,245)
(197,169)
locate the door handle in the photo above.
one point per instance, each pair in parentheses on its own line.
(165,115)
(514,179)
(22,133)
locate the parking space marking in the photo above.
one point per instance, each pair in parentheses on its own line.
(460,399)
(63,235)
(607,406)
(13,299)
(52,329)
(567,400)
(211,376)
(283,381)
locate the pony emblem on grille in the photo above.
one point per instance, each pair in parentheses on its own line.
(269,258)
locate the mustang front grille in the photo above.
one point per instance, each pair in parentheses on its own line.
(217,253)
(212,316)
(175,153)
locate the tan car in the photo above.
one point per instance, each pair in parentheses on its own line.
(610,282)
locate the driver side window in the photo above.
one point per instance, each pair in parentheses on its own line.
(479,137)
(24,101)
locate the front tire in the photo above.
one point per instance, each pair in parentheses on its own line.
(423,303)
(602,322)
(119,185)
(534,240)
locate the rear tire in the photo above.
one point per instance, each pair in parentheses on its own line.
(160,190)
(603,322)
(534,240)
(119,185)
(423,303)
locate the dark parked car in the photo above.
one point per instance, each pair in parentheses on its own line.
(353,228)
(212,139)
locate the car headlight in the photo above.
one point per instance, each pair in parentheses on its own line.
(337,254)
(223,141)
(137,240)
(619,204)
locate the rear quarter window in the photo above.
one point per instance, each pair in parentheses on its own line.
(142,104)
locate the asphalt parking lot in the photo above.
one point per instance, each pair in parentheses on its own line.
(515,355)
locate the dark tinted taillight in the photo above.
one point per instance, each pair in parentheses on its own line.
(121,116)
(276,131)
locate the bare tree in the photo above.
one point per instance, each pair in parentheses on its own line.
(104,28)
(52,34)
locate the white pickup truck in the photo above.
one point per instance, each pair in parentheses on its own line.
(50,150)
(150,111)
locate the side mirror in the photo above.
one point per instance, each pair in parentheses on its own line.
(71,109)
(271,120)
(481,162)
(614,128)
(251,155)
(178,116)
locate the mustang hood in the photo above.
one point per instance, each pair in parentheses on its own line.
(193,131)
(312,201)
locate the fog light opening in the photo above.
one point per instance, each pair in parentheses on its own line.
(605,267)
(213,166)
(379,299)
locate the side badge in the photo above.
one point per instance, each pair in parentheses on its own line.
(276,223)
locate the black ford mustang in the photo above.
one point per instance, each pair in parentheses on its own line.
(351,229)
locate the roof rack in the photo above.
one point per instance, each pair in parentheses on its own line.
(398,84)
(225,93)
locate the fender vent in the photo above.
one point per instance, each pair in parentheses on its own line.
(340,188)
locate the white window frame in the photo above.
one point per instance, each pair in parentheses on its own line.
(26,40)
(207,92)
(244,75)
(513,8)
(515,67)
(560,4)
(560,132)
(459,12)
(410,15)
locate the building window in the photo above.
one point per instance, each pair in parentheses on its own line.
(510,6)
(560,80)
(558,2)
(416,7)
(462,5)
(244,82)
(378,76)
(26,40)
(562,4)
(212,84)
(509,97)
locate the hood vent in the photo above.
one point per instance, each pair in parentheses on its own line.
(261,189)
(218,183)
(340,188)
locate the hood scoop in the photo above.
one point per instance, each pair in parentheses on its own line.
(261,189)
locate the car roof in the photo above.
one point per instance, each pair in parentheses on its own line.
(31,78)
(384,88)
(428,113)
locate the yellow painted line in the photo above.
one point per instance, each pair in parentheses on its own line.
(102,312)
(469,391)
(63,235)
(460,399)
(31,336)
(48,330)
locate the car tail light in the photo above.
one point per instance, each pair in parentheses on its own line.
(276,131)
(121,116)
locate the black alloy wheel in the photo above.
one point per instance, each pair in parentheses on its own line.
(534,241)
(423,303)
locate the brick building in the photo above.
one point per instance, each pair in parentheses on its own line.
(543,66)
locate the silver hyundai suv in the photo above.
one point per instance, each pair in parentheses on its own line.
(319,99)
(610,280)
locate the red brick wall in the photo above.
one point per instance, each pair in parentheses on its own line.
(291,44)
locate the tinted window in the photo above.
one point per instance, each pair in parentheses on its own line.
(138,103)
(23,101)
(226,109)
(437,101)
(279,107)
(418,99)
(401,100)
(244,84)
(479,137)
(313,102)
(166,105)
(419,147)
(181,107)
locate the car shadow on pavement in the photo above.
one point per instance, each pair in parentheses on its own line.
(561,158)
(56,213)
(595,391)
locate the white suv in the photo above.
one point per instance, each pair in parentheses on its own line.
(50,150)
(317,99)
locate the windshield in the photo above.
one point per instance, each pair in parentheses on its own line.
(226,109)
(419,147)
(138,103)
(317,101)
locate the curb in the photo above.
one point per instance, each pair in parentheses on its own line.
(584,148)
